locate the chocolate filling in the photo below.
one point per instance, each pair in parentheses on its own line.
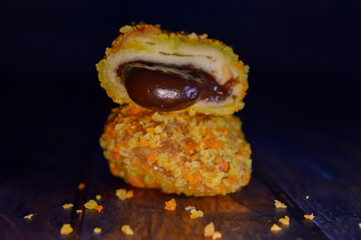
(161,87)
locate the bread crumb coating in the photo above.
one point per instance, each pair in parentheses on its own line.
(170,205)
(199,155)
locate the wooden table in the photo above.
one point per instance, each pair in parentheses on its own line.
(289,165)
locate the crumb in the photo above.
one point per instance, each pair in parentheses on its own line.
(279,204)
(127,230)
(307,197)
(29,216)
(97,230)
(170,205)
(68,205)
(81,186)
(309,217)
(196,214)
(98,197)
(285,220)
(189,208)
(66,229)
(79,211)
(210,232)
(359,225)
(275,228)
(216,235)
(92,204)
(123,194)
(99,208)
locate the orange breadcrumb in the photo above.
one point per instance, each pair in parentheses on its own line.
(170,205)
(143,143)
(223,166)
(136,181)
(127,230)
(150,129)
(192,178)
(123,194)
(81,186)
(99,208)
(29,216)
(66,229)
(151,159)
(309,216)
(285,220)
(275,228)
(97,230)
(134,110)
(279,204)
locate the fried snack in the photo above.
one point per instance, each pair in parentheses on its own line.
(200,155)
(165,71)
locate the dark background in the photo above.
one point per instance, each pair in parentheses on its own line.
(304,59)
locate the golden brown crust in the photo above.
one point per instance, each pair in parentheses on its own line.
(196,155)
(149,43)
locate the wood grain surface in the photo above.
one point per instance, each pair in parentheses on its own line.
(314,165)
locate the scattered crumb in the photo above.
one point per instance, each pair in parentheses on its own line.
(275,228)
(99,208)
(279,204)
(285,220)
(309,217)
(81,186)
(307,197)
(189,208)
(66,229)
(29,216)
(92,204)
(68,205)
(359,225)
(97,230)
(210,232)
(127,230)
(79,211)
(196,214)
(98,197)
(216,235)
(123,194)
(170,205)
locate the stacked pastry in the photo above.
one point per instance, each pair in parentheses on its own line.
(174,129)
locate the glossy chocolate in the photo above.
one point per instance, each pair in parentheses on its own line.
(167,88)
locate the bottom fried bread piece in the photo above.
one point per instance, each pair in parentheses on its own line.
(199,155)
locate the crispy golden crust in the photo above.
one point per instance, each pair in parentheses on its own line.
(198,155)
(149,43)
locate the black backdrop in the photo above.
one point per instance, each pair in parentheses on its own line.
(304,56)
